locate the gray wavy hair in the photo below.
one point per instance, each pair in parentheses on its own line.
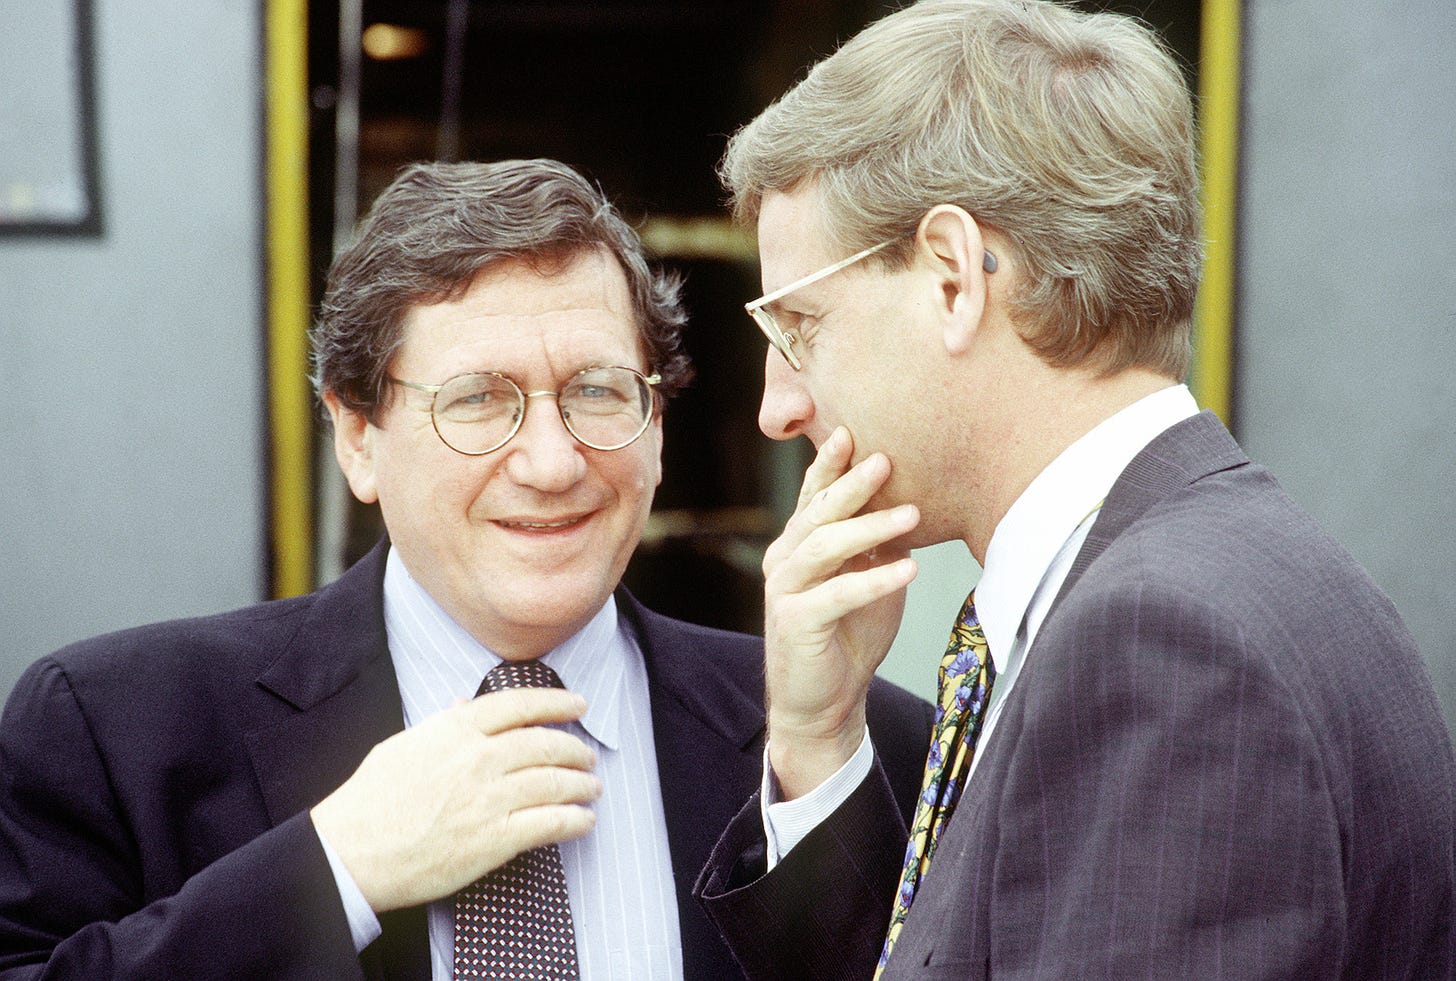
(1070,133)
(436,226)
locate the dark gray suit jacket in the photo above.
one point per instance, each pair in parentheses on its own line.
(154,787)
(1223,759)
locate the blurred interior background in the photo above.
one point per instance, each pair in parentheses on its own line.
(175,177)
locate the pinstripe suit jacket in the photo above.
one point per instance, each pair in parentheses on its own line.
(1223,759)
(154,787)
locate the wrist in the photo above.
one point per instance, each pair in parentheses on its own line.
(802,758)
(333,827)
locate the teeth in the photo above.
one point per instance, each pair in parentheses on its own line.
(539,524)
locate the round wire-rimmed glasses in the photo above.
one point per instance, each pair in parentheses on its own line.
(605,407)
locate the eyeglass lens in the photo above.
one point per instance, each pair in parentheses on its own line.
(784,341)
(604,408)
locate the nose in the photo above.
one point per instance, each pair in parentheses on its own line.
(543,454)
(786,408)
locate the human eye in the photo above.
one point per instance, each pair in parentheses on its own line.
(800,331)
(472,398)
(599,391)
(475,396)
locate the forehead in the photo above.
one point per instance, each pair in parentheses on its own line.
(790,242)
(515,313)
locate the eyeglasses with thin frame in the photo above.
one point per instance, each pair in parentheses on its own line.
(605,407)
(787,342)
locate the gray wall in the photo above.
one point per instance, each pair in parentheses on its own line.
(1348,282)
(130,439)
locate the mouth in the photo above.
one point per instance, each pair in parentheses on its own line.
(543,526)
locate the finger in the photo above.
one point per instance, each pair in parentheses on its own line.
(518,707)
(831,601)
(538,786)
(884,553)
(548,824)
(843,498)
(828,464)
(517,749)
(827,549)
(848,495)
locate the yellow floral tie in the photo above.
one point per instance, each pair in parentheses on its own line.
(966,676)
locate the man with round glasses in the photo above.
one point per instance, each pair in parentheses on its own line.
(313,788)
(604,407)
(1181,733)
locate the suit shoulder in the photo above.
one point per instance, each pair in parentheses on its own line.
(1229,581)
(182,646)
(1236,544)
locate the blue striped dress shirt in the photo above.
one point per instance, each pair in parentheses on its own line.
(619,876)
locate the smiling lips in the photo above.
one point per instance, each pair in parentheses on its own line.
(543,525)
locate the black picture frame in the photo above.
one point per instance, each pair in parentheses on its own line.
(57,195)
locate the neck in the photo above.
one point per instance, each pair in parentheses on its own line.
(1040,411)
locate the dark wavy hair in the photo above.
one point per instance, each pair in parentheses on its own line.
(436,226)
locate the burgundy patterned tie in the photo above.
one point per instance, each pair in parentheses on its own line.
(515,922)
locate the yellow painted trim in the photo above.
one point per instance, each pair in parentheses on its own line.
(1218,92)
(290,398)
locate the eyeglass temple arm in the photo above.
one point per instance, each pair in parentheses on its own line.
(988,263)
(431,389)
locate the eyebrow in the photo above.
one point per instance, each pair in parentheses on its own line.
(801,298)
(775,307)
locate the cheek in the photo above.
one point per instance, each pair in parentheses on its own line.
(432,484)
(637,485)
(639,481)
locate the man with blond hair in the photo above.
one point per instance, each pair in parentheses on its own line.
(1182,733)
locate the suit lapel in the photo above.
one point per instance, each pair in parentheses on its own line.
(1185,452)
(959,880)
(341,697)
(338,684)
(707,722)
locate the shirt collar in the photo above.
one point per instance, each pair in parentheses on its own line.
(1055,504)
(589,662)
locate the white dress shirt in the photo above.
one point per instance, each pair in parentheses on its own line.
(1027,561)
(619,876)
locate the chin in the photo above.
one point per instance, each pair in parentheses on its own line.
(558,599)
(552,607)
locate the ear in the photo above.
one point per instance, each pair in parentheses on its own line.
(657,438)
(354,448)
(949,239)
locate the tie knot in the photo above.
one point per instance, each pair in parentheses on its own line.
(519,674)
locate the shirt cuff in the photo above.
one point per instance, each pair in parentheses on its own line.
(363,924)
(786,823)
